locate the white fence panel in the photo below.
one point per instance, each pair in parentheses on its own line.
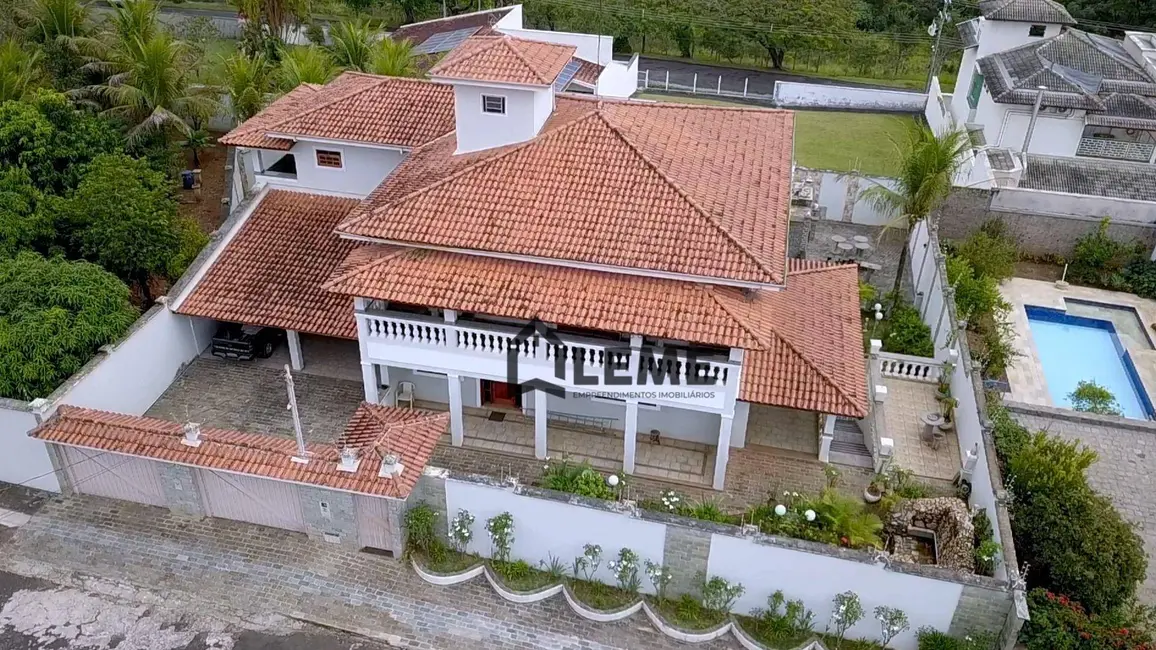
(816,579)
(23,460)
(1015,199)
(805,95)
(545,528)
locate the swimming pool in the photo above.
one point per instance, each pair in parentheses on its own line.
(1075,348)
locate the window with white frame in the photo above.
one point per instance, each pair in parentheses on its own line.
(495,104)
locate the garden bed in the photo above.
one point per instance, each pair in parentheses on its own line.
(519,577)
(757,630)
(447,562)
(601,597)
(687,614)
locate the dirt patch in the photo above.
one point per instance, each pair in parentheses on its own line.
(1039,271)
(205,208)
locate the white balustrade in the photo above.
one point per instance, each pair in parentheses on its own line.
(903,366)
(497,341)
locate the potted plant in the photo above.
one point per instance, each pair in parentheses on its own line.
(943,390)
(875,490)
(948,405)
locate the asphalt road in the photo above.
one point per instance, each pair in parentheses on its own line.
(38,615)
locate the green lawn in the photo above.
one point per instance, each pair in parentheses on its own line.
(849,141)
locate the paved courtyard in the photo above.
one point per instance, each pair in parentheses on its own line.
(215,565)
(1125,471)
(906,402)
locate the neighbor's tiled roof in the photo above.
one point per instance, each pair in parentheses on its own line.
(270,273)
(969,32)
(417,33)
(1079,70)
(410,434)
(356,107)
(588,72)
(1026,11)
(1090,176)
(613,302)
(691,190)
(505,59)
(804,344)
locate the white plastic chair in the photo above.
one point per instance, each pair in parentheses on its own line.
(405,392)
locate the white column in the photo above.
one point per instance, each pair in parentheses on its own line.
(390,396)
(723,453)
(630,439)
(294,340)
(826,438)
(369,380)
(457,424)
(540,424)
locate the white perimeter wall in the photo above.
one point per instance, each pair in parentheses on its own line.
(543,528)
(816,579)
(363,167)
(126,378)
(618,78)
(591,47)
(793,94)
(836,193)
(1017,199)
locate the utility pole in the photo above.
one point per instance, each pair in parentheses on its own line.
(302,453)
(936,29)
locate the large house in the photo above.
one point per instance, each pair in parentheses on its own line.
(487,241)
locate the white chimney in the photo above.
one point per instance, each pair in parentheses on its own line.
(349,462)
(192,434)
(391,466)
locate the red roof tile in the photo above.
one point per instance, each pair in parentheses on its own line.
(505,59)
(373,429)
(356,107)
(417,33)
(588,72)
(270,273)
(688,190)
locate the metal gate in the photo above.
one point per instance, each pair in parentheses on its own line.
(114,475)
(373,526)
(254,500)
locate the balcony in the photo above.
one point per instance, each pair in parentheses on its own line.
(577,364)
(1116,149)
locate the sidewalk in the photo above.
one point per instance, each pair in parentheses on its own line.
(255,571)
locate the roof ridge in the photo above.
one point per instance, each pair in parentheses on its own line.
(682,193)
(465,170)
(819,268)
(361,268)
(742,323)
(819,371)
(327,104)
(509,43)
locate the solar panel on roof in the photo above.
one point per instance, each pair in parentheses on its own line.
(445,41)
(567,75)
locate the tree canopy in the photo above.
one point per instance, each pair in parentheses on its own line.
(54,315)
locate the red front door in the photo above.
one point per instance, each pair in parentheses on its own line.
(498,393)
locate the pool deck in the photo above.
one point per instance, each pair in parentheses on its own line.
(1026,375)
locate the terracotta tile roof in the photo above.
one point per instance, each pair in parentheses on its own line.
(411,434)
(612,302)
(357,107)
(691,190)
(588,72)
(804,344)
(812,353)
(270,273)
(505,59)
(417,33)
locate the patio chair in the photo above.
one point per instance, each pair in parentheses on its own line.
(405,392)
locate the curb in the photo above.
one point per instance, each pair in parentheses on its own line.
(518,597)
(598,615)
(447,580)
(682,635)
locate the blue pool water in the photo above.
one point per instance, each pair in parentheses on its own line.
(1074,349)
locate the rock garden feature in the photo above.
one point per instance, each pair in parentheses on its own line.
(933,531)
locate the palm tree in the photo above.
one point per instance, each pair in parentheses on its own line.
(352,44)
(197,141)
(135,20)
(279,16)
(150,86)
(394,58)
(56,21)
(19,70)
(305,65)
(927,169)
(248,82)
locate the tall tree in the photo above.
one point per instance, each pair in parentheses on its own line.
(411,8)
(54,314)
(352,44)
(248,82)
(24,222)
(123,217)
(19,70)
(278,17)
(782,24)
(305,65)
(393,58)
(57,25)
(928,164)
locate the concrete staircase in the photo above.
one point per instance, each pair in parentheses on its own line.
(847,447)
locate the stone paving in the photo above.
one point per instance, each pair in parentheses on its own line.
(886,247)
(1125,471)
(906,402)
(240,568)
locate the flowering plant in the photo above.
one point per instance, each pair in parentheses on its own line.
(660,577)
(847,612)
(587,564)
(461,531)
(625,570)
(671,500)
(501,530)
(892,623)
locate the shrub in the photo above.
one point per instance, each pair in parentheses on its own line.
(783,623)
(976,296)
(987,550)
(847,611)
(1099,260)
(1091,397)
(461,530)
(1059,623)
(420,523)
(932,639)
(990,251)
(907,333)
(1141,278)
(501,530)
(719,595)
(625,570)
(580,479)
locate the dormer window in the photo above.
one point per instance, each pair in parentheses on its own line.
(330,159)
(1037,30)
(495,104)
